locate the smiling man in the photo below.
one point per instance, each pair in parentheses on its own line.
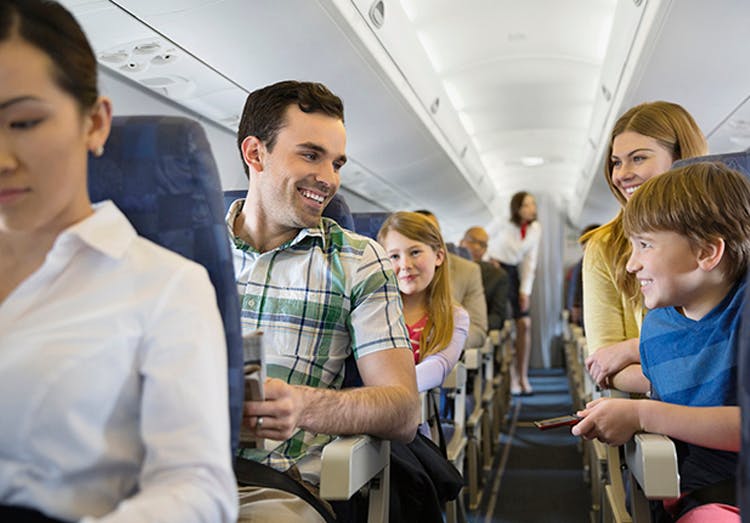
(317,291)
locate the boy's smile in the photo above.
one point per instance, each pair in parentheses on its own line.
(668,269)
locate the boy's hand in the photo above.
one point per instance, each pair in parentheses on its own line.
(610,420)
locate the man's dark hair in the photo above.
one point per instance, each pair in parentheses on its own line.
(265,109)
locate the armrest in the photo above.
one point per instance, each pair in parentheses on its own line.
(472,358)
(348,463)
(494,337)
(652,460)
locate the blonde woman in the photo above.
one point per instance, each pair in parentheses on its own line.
(437,326)
(644,143)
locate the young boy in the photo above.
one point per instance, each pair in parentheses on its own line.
(690,233)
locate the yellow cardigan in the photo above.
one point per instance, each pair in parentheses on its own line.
(609,317)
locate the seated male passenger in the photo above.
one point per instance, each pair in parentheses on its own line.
(112,351)
(494,278)
(317,291)
(690,234)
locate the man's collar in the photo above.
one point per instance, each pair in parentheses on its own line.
(236,208)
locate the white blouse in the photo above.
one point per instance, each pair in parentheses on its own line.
(113,393)
(507,246)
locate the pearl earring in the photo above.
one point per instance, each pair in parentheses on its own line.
(99,151)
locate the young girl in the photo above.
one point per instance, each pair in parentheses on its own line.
(437,326)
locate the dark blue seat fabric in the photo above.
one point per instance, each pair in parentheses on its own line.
(338,210)
(231,196)
(160,172)
(463,252)
(743,397)
(739,161)
(368,223)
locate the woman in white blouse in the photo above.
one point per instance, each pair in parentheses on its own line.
(112,351)
(516,246)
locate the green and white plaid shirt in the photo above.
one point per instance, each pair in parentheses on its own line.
(317,298)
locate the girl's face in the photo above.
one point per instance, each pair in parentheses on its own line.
(44,140)
(635,159)
(414,262)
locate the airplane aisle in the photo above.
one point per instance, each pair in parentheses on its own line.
(539,476)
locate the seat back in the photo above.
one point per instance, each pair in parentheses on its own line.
(368,223)
(338,210)
(739,161)
(230,196)
(160,173)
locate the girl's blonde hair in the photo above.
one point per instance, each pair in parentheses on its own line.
(673,127)
(438,331)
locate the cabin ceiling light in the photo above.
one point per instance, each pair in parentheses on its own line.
(532,161)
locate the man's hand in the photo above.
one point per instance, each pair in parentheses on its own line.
(608,361)
(610,420)
(278,416)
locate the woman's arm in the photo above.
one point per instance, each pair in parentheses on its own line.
(607,363)
(186,474)
(432,371)
(603,312)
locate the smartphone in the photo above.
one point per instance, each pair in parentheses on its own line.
(561,421)
(254,365)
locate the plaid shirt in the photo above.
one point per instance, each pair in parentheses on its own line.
(317,298)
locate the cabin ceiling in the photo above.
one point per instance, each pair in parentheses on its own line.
(449,106)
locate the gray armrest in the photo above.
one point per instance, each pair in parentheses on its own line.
(472,358)
(652,460)
(349,463)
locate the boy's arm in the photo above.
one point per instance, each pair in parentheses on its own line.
(712,427)
(614,421)
(631,379)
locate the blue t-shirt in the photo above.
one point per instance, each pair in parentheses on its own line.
(694,363)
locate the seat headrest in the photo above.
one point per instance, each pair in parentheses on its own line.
(739,161)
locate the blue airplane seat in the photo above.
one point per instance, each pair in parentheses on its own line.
(368,223)
(739,161)
(338,210)
(743,397)
(160,172)
(232,195)
(463,252)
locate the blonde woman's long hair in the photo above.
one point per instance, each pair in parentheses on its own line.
(438,331)
(673,127)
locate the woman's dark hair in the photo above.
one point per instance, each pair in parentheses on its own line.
(265,109)
(49,27)
(516,202)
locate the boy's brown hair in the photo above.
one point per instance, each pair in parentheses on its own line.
(701,202)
